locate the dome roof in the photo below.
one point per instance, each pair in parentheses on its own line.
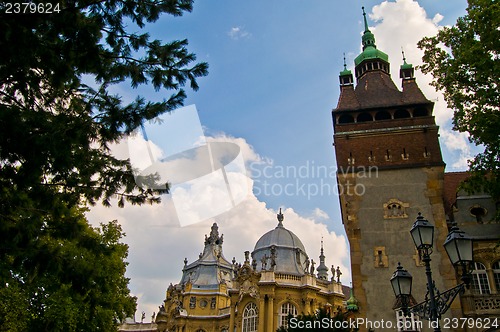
(282,248)
(280,237)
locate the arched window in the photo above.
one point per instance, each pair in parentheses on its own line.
(383,115)
(480,284)
(420,112)
(250,318)
(345,118)
(286,310)
(478,212)
(496,275)
(364,117)
(401,114)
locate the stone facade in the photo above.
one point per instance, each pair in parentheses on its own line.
(390,169)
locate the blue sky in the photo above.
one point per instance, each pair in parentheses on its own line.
(272,83)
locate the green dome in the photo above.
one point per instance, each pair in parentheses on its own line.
(369,53)
(406,65)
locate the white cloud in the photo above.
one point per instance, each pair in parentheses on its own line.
(238,33)
(400,25)
(457,142)
(158,245)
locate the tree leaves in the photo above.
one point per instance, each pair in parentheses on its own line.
(467,71)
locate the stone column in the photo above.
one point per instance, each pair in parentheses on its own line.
(491,279)
(307,306)
(270,316)
(262,314)
(231,317)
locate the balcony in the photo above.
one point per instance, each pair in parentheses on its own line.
(480,304)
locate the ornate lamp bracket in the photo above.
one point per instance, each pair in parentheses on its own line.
(443,302)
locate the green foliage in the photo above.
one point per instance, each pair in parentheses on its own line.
(467,71)
(67,280)
(58,118)
(322,320)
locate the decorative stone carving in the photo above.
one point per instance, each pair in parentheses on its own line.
(395,208)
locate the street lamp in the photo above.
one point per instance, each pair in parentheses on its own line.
(401,282)
(422,233)
(459,248)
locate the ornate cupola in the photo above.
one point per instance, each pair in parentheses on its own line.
(371,59)
(212,267)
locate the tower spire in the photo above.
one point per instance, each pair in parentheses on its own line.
(371,59)
(368,37)
(366,22)
(322,268)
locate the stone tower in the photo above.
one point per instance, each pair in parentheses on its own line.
(389,168)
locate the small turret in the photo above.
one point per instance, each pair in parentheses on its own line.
(406,71)
(346,76)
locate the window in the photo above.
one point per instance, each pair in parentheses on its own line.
(286,310)
(496,275)
(420,112)
(480,284)
(382,115)
(401,114)
(478,212)
(364,117)
(250,318)
(410,323)
(394,208)
(213,303)
(345,118)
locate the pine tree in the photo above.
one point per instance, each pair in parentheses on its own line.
(58,118)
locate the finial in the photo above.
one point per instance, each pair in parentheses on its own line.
(280,219)
(403,52)
(345,64)
(364,17)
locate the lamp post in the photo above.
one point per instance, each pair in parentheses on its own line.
(459,249)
